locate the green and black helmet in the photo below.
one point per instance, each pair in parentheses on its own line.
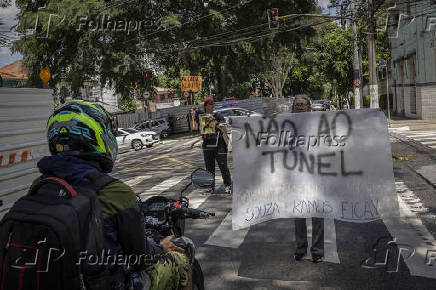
(86,130)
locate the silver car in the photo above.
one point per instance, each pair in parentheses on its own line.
(157,125)
(228,113)
(318,105)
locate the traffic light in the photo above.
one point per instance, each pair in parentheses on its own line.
(144,79)
(147,76)
(273,18)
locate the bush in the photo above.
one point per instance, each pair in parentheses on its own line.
(382,101)
(367,101)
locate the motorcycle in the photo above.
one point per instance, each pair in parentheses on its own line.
(166,216)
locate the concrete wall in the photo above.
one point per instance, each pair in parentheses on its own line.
(428,100)
(414,39)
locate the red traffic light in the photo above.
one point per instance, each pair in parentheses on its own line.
(146,75)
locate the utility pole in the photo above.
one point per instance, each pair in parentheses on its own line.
(343,20)
(356,65)
(372,66)
(387,95)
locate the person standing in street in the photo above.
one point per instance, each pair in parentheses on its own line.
(302,104)
(214,145)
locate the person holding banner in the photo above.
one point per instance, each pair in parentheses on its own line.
(213,130)
(302,104)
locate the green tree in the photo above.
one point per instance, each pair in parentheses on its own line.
(334,56)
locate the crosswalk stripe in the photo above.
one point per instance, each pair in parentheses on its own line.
(422,138)
(405,231)
(421,133)
(223,236)
(429,142)
(161,187)
(138,179)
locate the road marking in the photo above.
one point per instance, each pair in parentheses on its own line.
(161,187)
(181,162)
(429,142)
(160,157)
(400,129)
(138,179)
(196,201)
(166,156)
(223,236)
(422,138)
(125,170)
(405,231)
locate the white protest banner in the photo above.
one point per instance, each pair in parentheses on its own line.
(335,164)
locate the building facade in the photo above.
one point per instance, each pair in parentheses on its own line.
(412,35)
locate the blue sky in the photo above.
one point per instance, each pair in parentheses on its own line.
(8,15)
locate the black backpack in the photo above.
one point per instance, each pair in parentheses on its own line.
(52,238)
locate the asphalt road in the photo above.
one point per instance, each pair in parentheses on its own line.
(261,257)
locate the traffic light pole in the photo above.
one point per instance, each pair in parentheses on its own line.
(388,96)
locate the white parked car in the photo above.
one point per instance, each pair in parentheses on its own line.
(130,138)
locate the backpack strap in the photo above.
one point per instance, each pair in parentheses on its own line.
(54,180)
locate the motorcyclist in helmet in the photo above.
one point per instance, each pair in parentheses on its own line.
(81,137)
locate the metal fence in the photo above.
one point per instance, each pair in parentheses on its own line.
(23,118)
(265,106)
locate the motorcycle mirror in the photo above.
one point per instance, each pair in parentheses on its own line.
(202,178)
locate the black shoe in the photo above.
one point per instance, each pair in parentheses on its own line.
(317,259)
(299,257)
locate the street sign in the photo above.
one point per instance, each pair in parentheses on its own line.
(382,63)
(191,83)
(356,83)
(186,94)
(44,74)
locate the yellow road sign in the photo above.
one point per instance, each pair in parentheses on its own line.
(44,74)
(191,83)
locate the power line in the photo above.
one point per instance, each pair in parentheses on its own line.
(201,17)
(247,39)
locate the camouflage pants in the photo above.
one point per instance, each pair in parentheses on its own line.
(171,272)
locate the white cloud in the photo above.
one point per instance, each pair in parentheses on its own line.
(8,16)
(324,4)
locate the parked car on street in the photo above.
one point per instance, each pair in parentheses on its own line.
(318,105)
(130,138)
(228,113)
(160,126)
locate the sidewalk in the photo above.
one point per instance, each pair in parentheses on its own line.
(413,124)
(419,158)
